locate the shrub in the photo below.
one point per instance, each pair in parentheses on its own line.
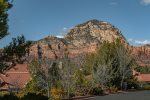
(144,69)
(146,87)
(56,93)
(71,95)
(113,89)
(9,97)
(96,91)
(34,96)
(32,87)
(133,84)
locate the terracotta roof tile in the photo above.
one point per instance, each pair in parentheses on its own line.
(144,77)
(18,75)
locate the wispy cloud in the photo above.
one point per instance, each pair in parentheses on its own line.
(138,42)
(64,28)
(113,3)
(63,31)
(145,2)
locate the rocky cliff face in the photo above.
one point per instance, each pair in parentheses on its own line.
(84,38)
(142,55)
(93,31)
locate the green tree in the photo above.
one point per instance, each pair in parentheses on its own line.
(67,74)
(104,67)
(113,64)
(5,5)
(46,73)
(45,70)
(89,61)
(16,52)
(126,62)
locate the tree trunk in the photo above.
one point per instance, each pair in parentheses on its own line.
(48,90)
(48,93)
(102,86)
(121,84)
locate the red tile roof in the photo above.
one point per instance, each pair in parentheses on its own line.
(141,77)
(18,68)
(144,77)
(18,76)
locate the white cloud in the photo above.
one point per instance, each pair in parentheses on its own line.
(60,36)
(138,42)
(145,2)
(142,42)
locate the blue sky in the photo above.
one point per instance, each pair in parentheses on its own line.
(37,19)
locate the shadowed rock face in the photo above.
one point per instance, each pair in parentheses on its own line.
(85,38)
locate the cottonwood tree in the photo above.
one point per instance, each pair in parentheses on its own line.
(46,70)
(89,61)
(113,64)
(82,72)
(67,72)
(104,67)
(48,75)
(103,74)
(126,62)
(40,72)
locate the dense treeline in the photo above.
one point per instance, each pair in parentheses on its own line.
(110,68)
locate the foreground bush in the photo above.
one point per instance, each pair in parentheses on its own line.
(113,89)
(29,96)
(9,97)
(34,96)
(96,91)
(31,87)
(133,84)
(56,93)
(144,69)
(146,87)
